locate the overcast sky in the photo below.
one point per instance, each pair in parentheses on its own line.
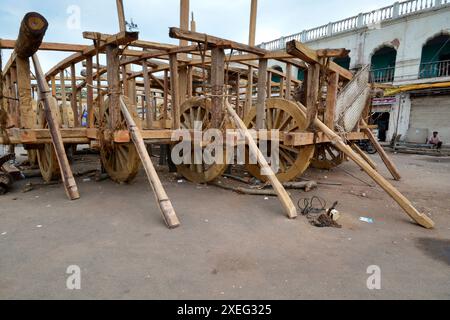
(228,19)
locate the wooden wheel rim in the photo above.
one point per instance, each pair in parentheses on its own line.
(120,160)
(199,109)
(285,116)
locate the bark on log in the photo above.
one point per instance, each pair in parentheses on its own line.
(32,31)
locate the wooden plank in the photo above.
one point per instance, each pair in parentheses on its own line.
(217,86)
(285,200)
(332,91)
(312,96)
(121,15)
(164,203)
(166,95)
(205,38)
(420,218)
(262,95)
(387,161)
(332,53)
(49,103)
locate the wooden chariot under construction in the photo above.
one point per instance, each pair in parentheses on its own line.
(222,83)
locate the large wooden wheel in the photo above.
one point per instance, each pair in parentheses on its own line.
(46,155)
(327,157)
(120,160)
(192,110)
(283,115)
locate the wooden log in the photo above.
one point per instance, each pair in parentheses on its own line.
(337,141)
(387,161)
(31,33)
(163,200)
(217,86)
(66,173)
(285,200)
(262,95)
(175,91)
(62,82)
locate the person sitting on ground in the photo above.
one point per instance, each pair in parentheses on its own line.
(435,140)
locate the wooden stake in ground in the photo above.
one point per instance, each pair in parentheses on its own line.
(66,173)
(164,202)
(387,161)
(337,141)
(286,201)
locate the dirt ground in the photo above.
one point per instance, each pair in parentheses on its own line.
(229,246)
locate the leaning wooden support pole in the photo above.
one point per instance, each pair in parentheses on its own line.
(164,202)
(364,156)
(339,143)
(49,104)
(387,161)
(286,201)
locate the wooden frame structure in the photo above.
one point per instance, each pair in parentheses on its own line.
(205,77)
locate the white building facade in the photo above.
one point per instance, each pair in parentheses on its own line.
(406,44)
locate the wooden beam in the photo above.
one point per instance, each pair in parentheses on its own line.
(332,91)
(113,74)
(26,112)
(288,94)
(332,53)
(262,95)
(175,91)
(300,50)
(90,92)
(211,40)
(121,15)
(148,97)
(217,86)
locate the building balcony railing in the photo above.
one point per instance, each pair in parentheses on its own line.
(436,69)
(384,75)
(366,19)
